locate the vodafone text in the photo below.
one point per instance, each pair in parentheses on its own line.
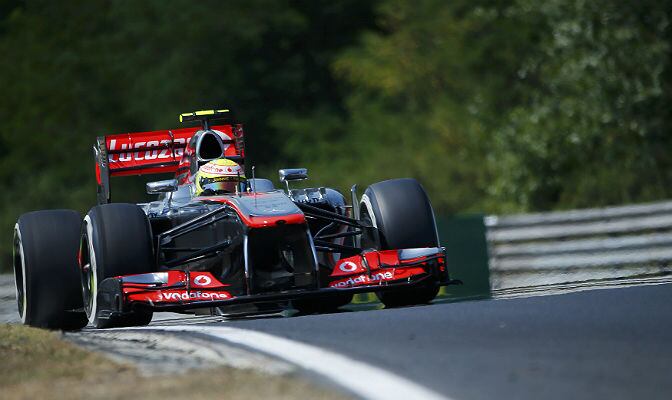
(363,279)
(198,295)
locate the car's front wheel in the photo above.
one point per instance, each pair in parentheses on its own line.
(400,212)
(116,240)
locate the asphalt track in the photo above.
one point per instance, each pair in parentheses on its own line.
(598,344)
(611,343)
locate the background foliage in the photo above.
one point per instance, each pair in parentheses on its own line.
(494,106)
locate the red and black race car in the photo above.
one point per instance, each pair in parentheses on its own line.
(304,247)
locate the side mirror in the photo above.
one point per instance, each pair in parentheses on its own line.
(169,185)
(293,174)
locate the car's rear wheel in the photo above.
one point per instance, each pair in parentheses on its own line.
(400,211)
(48,291)
(116,240)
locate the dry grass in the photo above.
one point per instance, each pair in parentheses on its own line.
(37,364)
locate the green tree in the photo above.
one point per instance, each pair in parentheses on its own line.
(593,128)
(425,93)
(504,106)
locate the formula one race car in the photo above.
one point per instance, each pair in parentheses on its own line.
(196,250)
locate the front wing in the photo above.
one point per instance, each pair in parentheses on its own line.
(184,290)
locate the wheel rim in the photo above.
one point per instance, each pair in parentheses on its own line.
(87,263)
(19,275)
(369,241)
(85,268)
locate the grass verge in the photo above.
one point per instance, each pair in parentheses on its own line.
(38,364)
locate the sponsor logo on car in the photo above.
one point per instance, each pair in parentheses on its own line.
(149,154)
(198,295)
(364,279)
(202,280)
(151,149)
(347,266)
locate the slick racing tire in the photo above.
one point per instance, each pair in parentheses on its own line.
(48,291)
(116,240)
(403,216)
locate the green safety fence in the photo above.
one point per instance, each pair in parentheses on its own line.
(464,238)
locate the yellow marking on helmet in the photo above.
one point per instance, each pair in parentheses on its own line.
(225,178)
(225,162)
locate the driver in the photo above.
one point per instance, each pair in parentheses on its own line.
(219,176)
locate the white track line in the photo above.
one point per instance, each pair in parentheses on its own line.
(361,379)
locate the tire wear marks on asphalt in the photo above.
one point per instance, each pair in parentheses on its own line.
(359,378)
(156,353)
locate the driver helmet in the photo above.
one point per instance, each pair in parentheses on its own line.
(219,176)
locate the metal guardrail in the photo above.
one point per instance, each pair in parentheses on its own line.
(579,245)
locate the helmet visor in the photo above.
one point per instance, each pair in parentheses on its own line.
(212,186)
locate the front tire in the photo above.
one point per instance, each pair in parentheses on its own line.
(400,212)
(48,290)
(116,240)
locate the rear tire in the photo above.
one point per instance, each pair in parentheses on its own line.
(116,240)
(401,212)
(48,290)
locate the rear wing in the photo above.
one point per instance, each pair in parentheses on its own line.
(158,152)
